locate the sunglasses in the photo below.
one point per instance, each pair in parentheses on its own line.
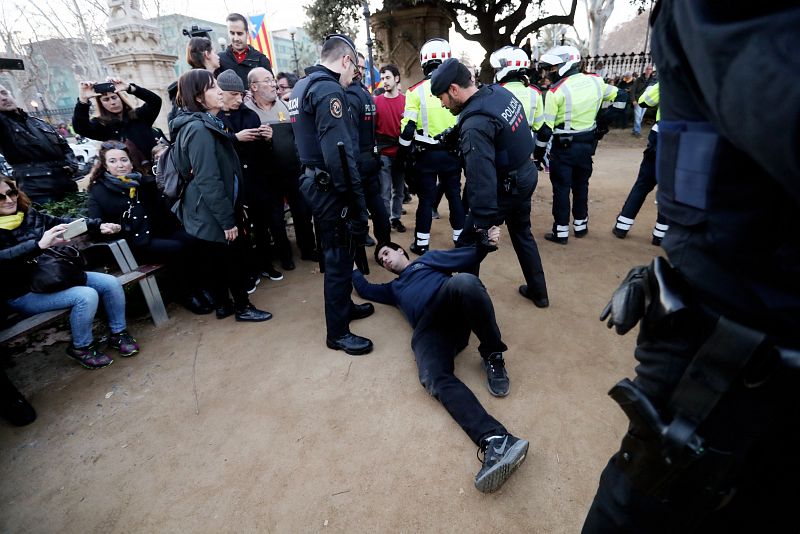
(11,193)
(108,145)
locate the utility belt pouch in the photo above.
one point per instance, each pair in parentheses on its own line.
(564,141)
(322,179)
(509,183)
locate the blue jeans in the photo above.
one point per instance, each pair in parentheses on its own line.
(392,189)
(83,301)
(638,114)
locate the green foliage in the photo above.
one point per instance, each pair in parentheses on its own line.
(73,205)
(332,16)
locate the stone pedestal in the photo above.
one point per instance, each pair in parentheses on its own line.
(400,33)
(135,53)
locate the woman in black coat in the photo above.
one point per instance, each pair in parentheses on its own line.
(116,118)
(119,194)
(208,209)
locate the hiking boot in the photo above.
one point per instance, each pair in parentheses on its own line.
(89,357)
(496,374)
(501,457)
(124,343)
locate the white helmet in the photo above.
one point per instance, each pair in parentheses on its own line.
(507,60)
(566,56)
(434,50)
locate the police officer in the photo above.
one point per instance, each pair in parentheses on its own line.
(496,147)
(320,119)
(646,180)
(570,110)
(714,437)
(511,65)
(425,118)
(362,110)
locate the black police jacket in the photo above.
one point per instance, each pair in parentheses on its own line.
(253,59)
(321,119)
(362,111)
(495,140)
(38,154)
(728,172)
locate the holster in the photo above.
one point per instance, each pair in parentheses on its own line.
(509,183)
(323,181)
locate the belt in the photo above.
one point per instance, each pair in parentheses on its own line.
(577,137)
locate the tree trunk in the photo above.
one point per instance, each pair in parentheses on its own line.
(598,13)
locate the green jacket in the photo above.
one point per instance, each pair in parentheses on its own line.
(205,152)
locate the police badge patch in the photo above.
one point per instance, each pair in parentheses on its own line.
(336,108)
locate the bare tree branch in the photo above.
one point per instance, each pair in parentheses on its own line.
(552,19)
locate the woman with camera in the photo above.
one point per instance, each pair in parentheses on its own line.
(25,235)
(120,193)
(115,116)
(208,208)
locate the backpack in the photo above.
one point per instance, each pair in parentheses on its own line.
(169,179)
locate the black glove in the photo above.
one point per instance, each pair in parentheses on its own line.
(358,229)
(538,155)
(482,241)
(630,301)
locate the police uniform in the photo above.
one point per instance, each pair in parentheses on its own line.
(362,111)
(496,146)
(646,180)
(720,366)
(423,119)
(570,110)
(320,119)
(531,98)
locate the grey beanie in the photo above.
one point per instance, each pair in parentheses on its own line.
(230,81)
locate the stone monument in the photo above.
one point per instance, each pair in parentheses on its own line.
(135,52)
(401,32)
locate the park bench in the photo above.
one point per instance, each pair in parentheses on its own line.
(129,272)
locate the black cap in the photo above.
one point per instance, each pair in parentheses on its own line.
(444,76)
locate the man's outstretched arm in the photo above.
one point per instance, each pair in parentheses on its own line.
(381,293)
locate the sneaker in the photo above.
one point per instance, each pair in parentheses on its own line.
(501,457)
(496,374)
(272,274)
(398,226)
(251,314)
(124,343)
(252,284)
(89,357)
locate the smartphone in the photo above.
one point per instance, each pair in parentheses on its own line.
(74,229)
(101,88)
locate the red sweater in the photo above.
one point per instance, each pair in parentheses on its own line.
(389,112)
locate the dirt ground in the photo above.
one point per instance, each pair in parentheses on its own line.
(219,426)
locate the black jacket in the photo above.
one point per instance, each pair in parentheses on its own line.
(253,156)
(253,59)
(19,245)
(42,160)
(138,130)
(205,148)
(147,218)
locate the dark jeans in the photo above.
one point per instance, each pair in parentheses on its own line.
(430,164)
(754,429)
(461,306)
(570,169)
(224,269)
(645,181)
(515,209)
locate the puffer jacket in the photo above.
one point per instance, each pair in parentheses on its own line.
(21,244)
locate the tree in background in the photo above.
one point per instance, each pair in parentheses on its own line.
(491,23)
(598,13)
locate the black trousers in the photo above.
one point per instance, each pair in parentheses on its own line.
(224,268)
(753,429)
(430,165)
(645,181)
(515,210)
(338,283)
(301,215)
(376,206)
(570,169)
(461,306)
(179,251)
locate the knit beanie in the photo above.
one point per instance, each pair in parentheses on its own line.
(230,81)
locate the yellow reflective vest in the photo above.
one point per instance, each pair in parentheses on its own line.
(531,99)
(427,112)
(651,97)
(572,104)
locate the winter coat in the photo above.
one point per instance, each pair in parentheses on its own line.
(138,130)
(205,153)
(21,244)
(253,59)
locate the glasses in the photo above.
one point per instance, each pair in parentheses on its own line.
(268,82)
(11,193)
(108,145)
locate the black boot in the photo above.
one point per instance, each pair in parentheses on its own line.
(550,236)
(540,301)
(251,314)
(360,311)
(13,406)
(351,344)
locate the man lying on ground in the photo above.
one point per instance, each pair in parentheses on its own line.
(443,308)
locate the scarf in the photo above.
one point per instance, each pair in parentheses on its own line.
(124,184)
(11,222)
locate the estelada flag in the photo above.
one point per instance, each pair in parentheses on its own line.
(260,37)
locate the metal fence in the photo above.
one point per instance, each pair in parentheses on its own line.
(54,116)
(615,65)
